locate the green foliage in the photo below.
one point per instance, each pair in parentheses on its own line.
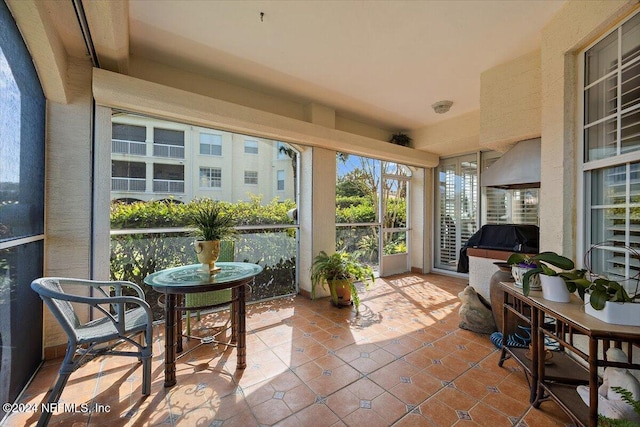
(602,290)
(400,139)
(135,256)
(339,266)
(627,397)
(161,214)
(356,214)
(395,247)
(154,214)
(353,184)
(396,213)
(254,212)
(343,202)
(539,263)
(368,247)
(210,222)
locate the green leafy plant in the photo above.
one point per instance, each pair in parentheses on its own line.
(601,290)
(210,222)
(627,397)
(327,269)
(540,264)
(400,139)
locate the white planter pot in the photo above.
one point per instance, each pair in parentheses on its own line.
(518,273)
(554,288)
(618,313)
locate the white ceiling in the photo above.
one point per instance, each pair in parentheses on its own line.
(380,62)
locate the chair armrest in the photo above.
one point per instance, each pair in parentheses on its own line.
(99,284)
(117,301)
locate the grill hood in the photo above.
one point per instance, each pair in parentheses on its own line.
(517,168)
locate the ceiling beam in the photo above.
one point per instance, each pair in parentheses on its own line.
(46,48)
(109,27)
(135,95)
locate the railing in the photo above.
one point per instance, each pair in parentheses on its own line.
(128,184)
(121,146)
(168,186)
(138,253)
(169,151)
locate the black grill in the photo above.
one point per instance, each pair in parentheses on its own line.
(501,237)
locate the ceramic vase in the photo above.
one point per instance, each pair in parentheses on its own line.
(617,313)
(208,252)
(554,288)
(518,273)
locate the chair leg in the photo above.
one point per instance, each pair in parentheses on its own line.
(188,313)
(66,369)
(45,416)
(146,373)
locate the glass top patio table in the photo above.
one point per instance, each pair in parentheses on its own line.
(177,281)
(192,279)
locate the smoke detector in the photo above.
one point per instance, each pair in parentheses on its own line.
(442,107)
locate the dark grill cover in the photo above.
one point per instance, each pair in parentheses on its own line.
(503,237)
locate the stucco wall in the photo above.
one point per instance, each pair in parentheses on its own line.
(576,25)
(454,136)
(510,102)
(68,191)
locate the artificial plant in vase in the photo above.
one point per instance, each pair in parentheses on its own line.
(340,271)
(210,224)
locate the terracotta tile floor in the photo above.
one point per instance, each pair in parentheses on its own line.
(403,361)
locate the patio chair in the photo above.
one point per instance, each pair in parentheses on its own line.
(227,254)
(125,318)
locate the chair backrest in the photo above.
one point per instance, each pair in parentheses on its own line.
(227,251)
(53,295)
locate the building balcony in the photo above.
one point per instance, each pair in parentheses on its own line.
(128,184)
(168,186)
(119,146)
(168,151)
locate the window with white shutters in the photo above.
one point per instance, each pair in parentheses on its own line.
(610,81)
(457,208)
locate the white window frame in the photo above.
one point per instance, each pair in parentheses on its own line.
(250,177)
(280,180)
(251,147)
(210,180)
(584,206)
(211,145)
(460,238)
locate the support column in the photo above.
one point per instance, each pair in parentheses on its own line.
(317,210)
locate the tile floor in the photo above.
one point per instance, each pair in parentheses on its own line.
(403,362)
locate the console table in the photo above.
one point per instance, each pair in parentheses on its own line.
(563,323)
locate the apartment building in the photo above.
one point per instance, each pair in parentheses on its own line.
(153,159)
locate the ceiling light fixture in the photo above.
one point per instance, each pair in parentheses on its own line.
(442,107)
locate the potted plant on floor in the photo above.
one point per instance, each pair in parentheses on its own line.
(556,285)
(210,225)
(340,271)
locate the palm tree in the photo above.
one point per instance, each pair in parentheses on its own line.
(293,155)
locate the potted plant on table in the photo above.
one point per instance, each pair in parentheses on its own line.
(556,285)
(210,225)
(340,271)
(607,299)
